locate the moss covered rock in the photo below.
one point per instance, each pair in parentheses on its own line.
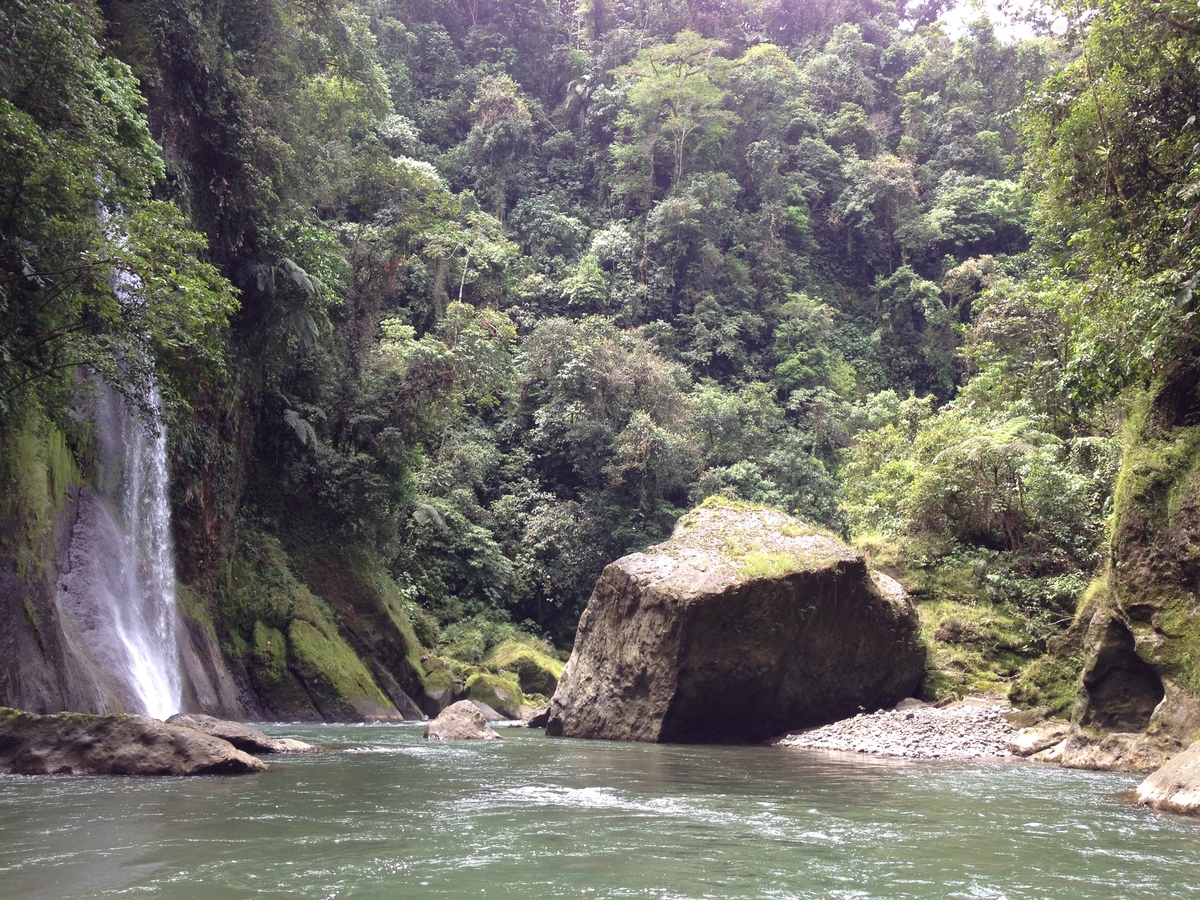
(746,624)
(536,671)
(1141,651)
(501,692)
(339,683)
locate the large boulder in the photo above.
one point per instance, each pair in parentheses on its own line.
(1175,787)
(79,744)
(744,625)
(461,721)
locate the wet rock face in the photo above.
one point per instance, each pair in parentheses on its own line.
(1122,689)
(77,744)
(245,737)
(744,625)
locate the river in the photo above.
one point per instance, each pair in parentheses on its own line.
(386,815)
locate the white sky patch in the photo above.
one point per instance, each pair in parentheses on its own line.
(1008,16)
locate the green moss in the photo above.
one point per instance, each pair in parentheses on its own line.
(972,649)
(194,606)
(1158,465)
(1179,624)
(438,674)
(500,692)
(259,585)
(398,608)
(267,665)
(537,672)
(1051,681)
(763,564)
(37,470)
(269,651)
(334,676)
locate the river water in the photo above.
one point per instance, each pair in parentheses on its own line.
(385,815)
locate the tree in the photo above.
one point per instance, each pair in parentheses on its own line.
(675,95)
(499,141)
(94,273)
(1110,143)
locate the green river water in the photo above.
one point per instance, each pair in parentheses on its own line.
(384,815)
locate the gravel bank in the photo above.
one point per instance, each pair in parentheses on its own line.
(961,731)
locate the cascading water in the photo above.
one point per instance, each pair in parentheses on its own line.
(141,595)
(118,587)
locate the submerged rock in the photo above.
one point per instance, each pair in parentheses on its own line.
(1175,786)
(244,737)
(746,624)
(461,721)
(78,744)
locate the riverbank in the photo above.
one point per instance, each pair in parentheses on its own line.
(967,730)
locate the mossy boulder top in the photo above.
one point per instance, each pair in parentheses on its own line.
(746,624)
(724,543)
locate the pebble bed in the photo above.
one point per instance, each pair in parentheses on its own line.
(953,732)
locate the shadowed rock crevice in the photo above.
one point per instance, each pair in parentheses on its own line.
(1121,690)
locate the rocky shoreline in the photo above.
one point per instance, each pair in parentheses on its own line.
(966,730)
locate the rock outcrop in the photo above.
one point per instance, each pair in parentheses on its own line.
(744,625)
(46,662)
(1175,787)
(1141,652)
(245,737)
(537,672)
(79,744)
(461,721)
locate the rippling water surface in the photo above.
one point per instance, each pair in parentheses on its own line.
(384,814)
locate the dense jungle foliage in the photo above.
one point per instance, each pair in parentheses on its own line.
(489,292)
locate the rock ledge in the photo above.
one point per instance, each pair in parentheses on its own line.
(77,744)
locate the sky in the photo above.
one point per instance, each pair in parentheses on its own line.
(1001,13)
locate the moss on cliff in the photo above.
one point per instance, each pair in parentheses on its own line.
(1179,625)
(336,678)
(289,641)
(267,664)
(1145,631)
(536,670)
(972,648)
(37,471)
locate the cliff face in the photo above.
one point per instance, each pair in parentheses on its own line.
(745,624)
(53,635)
(1142,645)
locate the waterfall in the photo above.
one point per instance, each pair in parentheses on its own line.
(118,586)
(143,609)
